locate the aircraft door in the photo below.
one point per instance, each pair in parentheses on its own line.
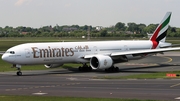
(126,48)
(27,53)
(95,49)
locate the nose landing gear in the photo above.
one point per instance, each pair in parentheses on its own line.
(19,73)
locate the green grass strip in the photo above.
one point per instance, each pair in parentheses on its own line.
(161,75)
(52,98)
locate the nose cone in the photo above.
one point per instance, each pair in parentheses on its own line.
(4,57)
(7,58)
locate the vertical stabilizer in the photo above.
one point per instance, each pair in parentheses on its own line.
(161,31)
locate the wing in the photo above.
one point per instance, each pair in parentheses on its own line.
(148,51)
(174,45)
(133,52)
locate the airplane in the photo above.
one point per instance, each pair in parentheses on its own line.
(101,55)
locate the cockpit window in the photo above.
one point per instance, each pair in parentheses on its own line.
(11,52)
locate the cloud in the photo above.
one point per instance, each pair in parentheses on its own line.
(21,2)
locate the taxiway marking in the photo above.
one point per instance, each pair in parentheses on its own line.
(178,98)
(39,93)
(175,85)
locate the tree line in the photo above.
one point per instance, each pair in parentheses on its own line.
(118,30)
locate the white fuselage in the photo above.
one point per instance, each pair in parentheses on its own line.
(68,52)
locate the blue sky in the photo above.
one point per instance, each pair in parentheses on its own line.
(38,13)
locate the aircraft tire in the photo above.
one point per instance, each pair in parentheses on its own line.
(116,69)
(85,69)
(112,69)
(19,73)
(80,68)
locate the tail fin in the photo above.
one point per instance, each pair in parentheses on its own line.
(161,31)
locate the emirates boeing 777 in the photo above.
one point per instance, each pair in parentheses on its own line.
(100,54)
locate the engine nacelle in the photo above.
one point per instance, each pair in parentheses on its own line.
(101,62)
(52,65)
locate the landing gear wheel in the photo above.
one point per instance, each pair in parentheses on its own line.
(80,68)
(85,68)
(19,73)
(112,69)
(116,69)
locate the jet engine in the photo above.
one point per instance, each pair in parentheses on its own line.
(101,62)
(52,65)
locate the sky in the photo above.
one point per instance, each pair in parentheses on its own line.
(106,13)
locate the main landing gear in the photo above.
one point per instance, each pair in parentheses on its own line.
(19,73)
(112,69)
(85,68)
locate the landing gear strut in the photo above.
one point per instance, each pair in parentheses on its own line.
(19,73)
(112,69)
(85,67)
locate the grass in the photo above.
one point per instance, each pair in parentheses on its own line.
(160,75)
(6,43)
(52,98)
